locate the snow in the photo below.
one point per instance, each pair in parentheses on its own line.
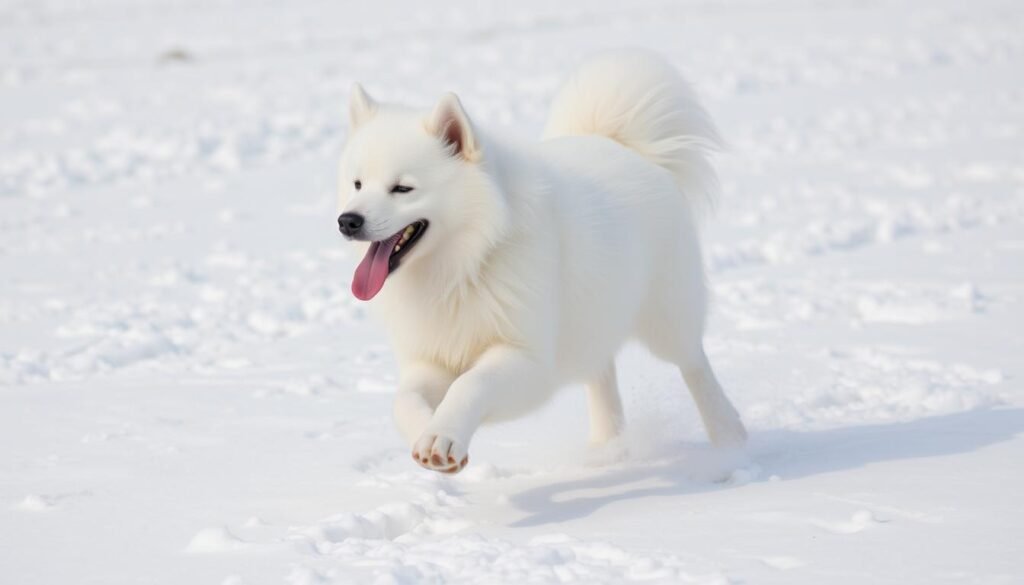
(189,393)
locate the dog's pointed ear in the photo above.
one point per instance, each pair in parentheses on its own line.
(361,106)
(451,124)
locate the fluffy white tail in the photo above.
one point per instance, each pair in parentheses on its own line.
(639,100)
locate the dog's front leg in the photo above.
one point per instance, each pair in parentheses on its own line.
(504,382)
(421,386)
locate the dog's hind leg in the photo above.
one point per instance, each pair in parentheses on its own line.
(605,406)
(421,386)
(673,331)
(725,429)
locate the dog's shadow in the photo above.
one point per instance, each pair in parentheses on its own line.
(790,455)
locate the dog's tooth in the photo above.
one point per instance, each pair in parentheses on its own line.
(409,231)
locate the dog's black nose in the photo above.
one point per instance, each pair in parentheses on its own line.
(349,223)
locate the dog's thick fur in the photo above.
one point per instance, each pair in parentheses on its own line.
(540,260)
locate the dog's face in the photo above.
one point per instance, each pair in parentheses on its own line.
(400,181)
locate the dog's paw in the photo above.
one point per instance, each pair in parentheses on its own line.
(440,453)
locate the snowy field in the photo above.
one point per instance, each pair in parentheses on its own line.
(189,394)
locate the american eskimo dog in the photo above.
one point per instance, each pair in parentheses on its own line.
(504,271)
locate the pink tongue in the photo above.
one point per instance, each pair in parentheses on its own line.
(373,270)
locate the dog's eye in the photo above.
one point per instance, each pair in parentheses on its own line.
(400,189)
(358,184)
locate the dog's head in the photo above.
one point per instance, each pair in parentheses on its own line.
(412,187)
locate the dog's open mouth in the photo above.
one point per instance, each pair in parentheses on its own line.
(382,258)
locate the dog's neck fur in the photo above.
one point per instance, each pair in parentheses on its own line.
(455,284)
(485,227)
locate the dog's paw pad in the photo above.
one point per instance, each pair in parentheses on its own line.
(455,467)
(440,453)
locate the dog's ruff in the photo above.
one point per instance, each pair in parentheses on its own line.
(540,260)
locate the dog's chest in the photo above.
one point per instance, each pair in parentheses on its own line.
(452,332)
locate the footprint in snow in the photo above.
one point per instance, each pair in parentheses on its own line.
(46,502)
(373,462)
(782,563)
(215,540)
(861,520)
(36,503)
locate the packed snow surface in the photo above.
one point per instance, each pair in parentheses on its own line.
(189,393)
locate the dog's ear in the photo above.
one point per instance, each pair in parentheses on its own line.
(361,106)
(450,123)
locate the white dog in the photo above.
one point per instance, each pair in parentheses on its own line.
(505,271)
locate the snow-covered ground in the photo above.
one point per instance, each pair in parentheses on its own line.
(189,394)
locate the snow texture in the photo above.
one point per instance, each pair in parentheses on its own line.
(189,393)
